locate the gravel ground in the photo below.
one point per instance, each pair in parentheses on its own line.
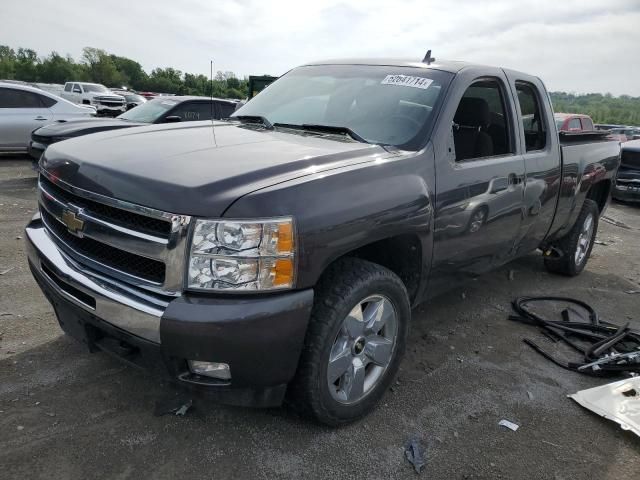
(65,413)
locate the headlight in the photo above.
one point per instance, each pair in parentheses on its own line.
(242,255)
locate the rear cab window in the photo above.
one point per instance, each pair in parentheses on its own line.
(533,122)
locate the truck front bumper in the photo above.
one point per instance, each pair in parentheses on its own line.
(259,337)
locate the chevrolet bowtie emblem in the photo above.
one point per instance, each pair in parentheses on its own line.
(73,223)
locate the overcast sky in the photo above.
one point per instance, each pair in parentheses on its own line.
(573,45)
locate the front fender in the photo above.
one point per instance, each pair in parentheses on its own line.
(341,210)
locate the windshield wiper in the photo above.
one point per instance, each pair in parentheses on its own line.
(255,119)
(324,128)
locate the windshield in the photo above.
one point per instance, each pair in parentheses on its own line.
(148,112)
(380,104)
(88,87)
(133,97)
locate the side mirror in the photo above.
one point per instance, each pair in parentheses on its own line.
(172,119)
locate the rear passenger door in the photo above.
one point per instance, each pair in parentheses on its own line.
(541,157)
(479,174)
(21,112)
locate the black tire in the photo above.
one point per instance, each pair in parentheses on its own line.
(343,286)
(568,245)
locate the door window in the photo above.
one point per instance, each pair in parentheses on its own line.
(226,109)
(10,98)
(193,111)
(535,131)
(481,126)
(76,88)
(68,87)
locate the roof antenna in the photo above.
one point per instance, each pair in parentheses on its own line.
(213,120)
(428,59)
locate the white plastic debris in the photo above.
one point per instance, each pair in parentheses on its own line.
(617,401)
(509,425)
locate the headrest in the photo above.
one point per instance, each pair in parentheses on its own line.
(473,112)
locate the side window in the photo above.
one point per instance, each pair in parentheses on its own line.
(481,126)
(574,124)
(587,124)
(10,98)
(76,88)
(47,101)
(68,87)
(535,132)
(193,111)
(226,109)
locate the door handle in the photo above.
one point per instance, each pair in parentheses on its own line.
(40,119)
(515,179)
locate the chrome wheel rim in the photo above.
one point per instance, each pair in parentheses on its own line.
(362,350)
(476,221)
(584,239)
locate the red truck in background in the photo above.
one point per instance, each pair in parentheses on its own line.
(573,122)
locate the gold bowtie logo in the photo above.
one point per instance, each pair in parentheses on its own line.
(73,223)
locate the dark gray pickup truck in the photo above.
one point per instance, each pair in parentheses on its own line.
(277,255)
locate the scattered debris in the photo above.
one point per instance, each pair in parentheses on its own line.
(178,405)
(20,427)
(615,222)
(618,401)
(605,348)
(413,453)
(511,275)
(530,395)
(600,242)
(509,425)
(631,292)
(50,414)
(3,272)
(463,296)
(551,443)
(19,237)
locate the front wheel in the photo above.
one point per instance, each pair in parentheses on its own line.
(577,244)
(354,344)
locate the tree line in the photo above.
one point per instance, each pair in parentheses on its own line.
(98,66)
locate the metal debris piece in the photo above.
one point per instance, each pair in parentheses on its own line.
(631,292)
(600,242)
(511,275)
(7,270)
(509,425)
(178,405)
(413,453)
(530,395)
(618,401)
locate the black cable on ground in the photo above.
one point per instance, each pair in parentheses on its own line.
(604,348)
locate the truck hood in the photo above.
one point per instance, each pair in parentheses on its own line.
(73,128)
(196,169)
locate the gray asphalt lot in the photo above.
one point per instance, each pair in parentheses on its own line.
(68,414)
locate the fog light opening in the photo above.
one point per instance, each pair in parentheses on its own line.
(217,370)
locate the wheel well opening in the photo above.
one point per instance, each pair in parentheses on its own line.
(599,193)
(401,254)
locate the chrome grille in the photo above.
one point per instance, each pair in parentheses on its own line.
(142,246)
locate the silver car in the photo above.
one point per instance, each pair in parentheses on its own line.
(24,108)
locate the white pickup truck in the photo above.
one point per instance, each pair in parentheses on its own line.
(105,102)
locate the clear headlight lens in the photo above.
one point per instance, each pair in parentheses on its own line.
(242,255)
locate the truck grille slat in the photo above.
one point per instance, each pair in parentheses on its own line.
(141,267)
(126,219)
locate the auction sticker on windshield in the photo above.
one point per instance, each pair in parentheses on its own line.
(407,81)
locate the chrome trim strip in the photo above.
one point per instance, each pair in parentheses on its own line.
(115,303)
(132,279)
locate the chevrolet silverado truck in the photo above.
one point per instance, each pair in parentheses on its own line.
(276,256)
(99,96)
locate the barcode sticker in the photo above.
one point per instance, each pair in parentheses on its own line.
(407,81)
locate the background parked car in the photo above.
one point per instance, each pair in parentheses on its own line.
(573,122)
(24,108)
(132,99)
(99,96)
(159,110)
(627,186)
(624,134)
